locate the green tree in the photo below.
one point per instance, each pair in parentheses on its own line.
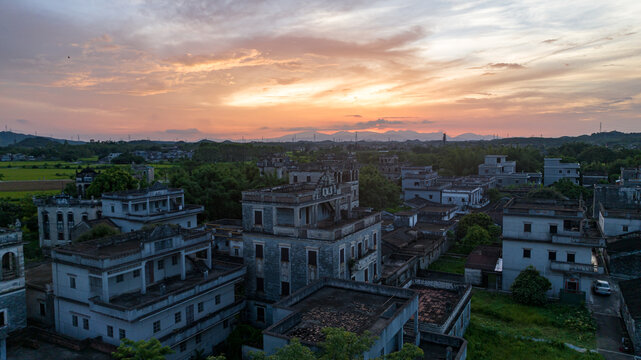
(476,235)
(407,352)
(340,344)
(481,219)
(529,287)
(112,179)
(97,232)
(292,351)
(568,189)
(545,193)
(150,349)
(376,191)
(71,189)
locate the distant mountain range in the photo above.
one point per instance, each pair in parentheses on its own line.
(392,135)
(10,138)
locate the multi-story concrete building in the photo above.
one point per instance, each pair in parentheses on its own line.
(143,173)
(418,176)
(343,172)
(389,166)
(277,165)
(84,178)
(556,238)
(298,233)
(158,204)
(630,176)
(617,208)
(58,215)
(13,309)
(505,173)
(357,307)
(160,282)
(227,235)
(555,170)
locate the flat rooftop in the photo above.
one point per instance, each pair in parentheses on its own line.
(39,276)
(124,244)
(543,204)
(435,305)
(355,311)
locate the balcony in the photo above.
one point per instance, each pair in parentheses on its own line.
(589,269)
(579,240)
(363,262)
(332,232)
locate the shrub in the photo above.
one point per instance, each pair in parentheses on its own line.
(530,287)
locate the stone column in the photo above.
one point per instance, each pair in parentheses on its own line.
(143,277)
(416,332)
(105,287)
(182,265)
(209,258)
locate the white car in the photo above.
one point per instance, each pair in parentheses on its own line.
(601,287)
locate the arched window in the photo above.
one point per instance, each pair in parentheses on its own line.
(9,266)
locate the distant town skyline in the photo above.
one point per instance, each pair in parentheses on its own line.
(202,69)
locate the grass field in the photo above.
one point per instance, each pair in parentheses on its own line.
(448,263)
(36,174)
(17,195)
(498,326)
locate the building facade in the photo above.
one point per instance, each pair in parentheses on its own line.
(58,215)
(161,282)
(505,173)
(84,178)
(158,204)
(13,309)
(296,234)
(554,170)
(554,237)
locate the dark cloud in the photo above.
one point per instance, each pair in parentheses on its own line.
(23,121)
(505,66)
(372,124)
(549,41)
(354,116)
(191,131)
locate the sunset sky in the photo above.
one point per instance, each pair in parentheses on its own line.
(230,69)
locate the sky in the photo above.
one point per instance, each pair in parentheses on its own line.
(187,70)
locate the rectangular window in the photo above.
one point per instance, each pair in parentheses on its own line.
(309,178)
(174,259)
(260,284)
(625,228)
(553,229)
(137,273)
(311,257)
(72,282)
(552,255)
(85,323)
(527,227)
(122,334)
(295,179)
(284,254)
(225,323)
(156,326)
(341,256)
(178,317)
(61,236)
(236,251)
(260,314)
(217,299)
(43,309)
(120,278)
(360,250)
(259,251)
(110,331)
(74,320)
(161,264)
(570,257)
(374,240)
(198,338)
(258,218)
(284,288)
(527,253)
(183,346)
(353,252)
(201,307)
(375,270)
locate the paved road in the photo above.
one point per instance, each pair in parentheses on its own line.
(609,325)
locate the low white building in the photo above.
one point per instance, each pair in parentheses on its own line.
(158,204)
(156,283)
(554,237)
(555,170)
(615,222)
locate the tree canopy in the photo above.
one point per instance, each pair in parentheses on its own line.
(376,191)
(530,287)
(112,179)
(150,349)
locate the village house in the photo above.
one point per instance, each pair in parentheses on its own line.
(13,310)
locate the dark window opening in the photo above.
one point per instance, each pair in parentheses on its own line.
(259,251)
(284,254)
(527,253)
(570,257)
(527,227)
(284,288)
(311,258)
(552,255)
(260,284)
(258,218)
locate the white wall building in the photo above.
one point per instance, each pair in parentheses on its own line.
(554,237)
(158,204)
(161,283)
(555,170)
